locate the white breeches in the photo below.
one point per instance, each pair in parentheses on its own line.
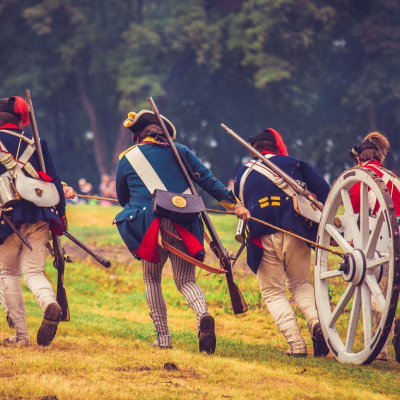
(286,258)
(16,260)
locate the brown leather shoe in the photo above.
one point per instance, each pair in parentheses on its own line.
(207,339)
(48,329)
(321,349)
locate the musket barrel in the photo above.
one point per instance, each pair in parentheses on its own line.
(8,221)
(100,259)
(32,120)
(265,160)
(172,145)
(273,167)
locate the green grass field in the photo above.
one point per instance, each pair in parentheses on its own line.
(103,351)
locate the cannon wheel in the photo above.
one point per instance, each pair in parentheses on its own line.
(347,325)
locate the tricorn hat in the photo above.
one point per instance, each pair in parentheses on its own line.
(136,122)
(357,150)
(270,135)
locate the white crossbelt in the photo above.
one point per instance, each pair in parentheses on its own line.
(301,205)
(267,172)
(26,155)
(18,135)
(145,170)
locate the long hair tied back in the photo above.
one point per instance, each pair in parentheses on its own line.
(380,141)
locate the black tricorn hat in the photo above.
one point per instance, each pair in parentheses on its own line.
(357,150)
(136,122)
(266,135)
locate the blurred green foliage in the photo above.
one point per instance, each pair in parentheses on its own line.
(323,73)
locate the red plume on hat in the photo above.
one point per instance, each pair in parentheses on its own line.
(279,142)
(21,108)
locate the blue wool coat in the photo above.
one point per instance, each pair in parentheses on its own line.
(136,217)
(25,212)
(267,202)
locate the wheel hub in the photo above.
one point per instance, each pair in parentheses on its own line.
(353,267)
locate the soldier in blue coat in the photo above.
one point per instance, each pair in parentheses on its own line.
(150,165)
(275,256)
(19,162)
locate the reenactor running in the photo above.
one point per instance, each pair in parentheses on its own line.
(27,199)
(370,154)
(277,257)
(148,166)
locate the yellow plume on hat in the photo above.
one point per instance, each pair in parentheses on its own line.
(129,121)
(137,121)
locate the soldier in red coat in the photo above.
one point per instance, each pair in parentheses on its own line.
(370,154)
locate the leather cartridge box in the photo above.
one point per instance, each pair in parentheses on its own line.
(176,206)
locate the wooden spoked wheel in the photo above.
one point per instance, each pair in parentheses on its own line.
(348,291)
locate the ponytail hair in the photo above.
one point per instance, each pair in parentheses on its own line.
(381,142)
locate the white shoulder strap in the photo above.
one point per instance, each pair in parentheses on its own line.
(24,138)
(267,172)
(242,182)
(246,175)
(27,154)
(145,170)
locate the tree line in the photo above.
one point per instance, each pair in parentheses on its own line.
(324,74)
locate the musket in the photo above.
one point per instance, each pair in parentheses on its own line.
(297,187)
(99,258)
(238,302)
(59,262)
(8,221)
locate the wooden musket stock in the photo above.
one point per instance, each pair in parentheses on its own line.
(238,303)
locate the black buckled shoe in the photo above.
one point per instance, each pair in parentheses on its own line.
(207,339)
(396,339)
(321,349)
(48,329)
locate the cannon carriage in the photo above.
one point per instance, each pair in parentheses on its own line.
(357,296)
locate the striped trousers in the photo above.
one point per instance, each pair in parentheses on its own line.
(185,281)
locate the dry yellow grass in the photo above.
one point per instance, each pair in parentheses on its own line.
(102,352)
